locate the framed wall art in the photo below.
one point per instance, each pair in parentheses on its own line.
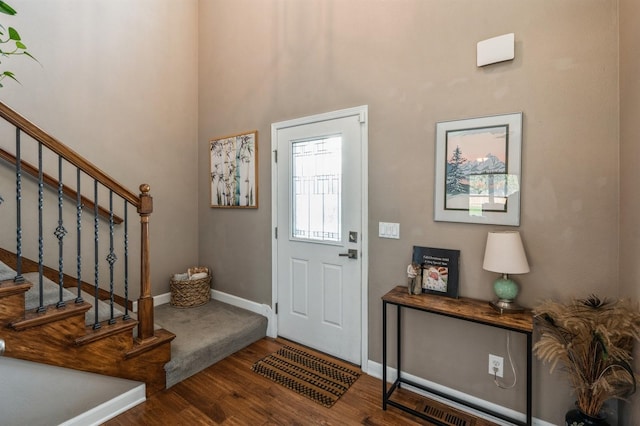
(234,171)
(440,270)
(478,170)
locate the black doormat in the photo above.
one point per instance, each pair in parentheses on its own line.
(315,377)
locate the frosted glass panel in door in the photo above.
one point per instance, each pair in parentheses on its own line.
(316,177)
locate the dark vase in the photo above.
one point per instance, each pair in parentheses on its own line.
(576,417)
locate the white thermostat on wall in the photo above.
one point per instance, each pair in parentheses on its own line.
(496,49)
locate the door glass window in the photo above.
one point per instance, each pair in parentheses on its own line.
(316,179)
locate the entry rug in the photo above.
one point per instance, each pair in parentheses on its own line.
(316,378)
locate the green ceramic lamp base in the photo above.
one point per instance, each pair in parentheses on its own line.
(507,291)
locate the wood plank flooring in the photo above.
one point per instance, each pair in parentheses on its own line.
(229,393)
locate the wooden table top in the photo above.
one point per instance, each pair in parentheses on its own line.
(463,307)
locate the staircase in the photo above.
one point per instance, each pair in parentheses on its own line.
(63,329)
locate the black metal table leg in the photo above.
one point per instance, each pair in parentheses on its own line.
(529,379)
(384,355)
(398,348)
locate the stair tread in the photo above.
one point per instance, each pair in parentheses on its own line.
(51,313)
(206,334)
(160,337)
(6,273)
(50,294)
(105,330)
(9,287)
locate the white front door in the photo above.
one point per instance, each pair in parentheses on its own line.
(318,215)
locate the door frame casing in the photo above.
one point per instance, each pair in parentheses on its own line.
(362,112)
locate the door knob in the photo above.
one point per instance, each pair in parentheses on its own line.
(351,254)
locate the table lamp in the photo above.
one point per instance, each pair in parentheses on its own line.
(504,254)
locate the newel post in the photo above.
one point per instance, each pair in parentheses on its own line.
(145,302)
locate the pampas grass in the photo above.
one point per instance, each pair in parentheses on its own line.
(592,340)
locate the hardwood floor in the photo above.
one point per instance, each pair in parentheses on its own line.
(229,393)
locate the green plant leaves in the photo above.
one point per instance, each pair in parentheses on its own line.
(6,9)
(13,44)
(9,74)
(30,55)
(13,34)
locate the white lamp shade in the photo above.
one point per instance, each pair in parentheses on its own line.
(505,254)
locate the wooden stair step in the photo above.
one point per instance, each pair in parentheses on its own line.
(105,331)
(160,337)
(11,288)
(50,314)
(59,336)
(12,297)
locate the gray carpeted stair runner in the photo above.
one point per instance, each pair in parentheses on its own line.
(51,294)
(206,334)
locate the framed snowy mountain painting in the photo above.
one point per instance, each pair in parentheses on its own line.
(478,170)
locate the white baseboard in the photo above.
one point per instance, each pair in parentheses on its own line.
(258,308)
(375,370)
(158,300)
(161,299)
(109,409)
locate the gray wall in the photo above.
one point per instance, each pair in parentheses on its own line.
(413,63)
(629,172)
(117,82)
(156,81)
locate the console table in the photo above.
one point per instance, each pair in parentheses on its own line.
(464,309)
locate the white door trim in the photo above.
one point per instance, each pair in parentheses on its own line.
(362,112)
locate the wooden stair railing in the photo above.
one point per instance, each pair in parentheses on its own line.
(52,182)
(9,258)
(142,202)
(65,152)
(57,333)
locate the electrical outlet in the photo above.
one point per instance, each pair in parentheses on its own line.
(496,365)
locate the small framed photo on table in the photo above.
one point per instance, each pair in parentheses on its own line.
(440,270)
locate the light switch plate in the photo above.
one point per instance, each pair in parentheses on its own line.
(389,230)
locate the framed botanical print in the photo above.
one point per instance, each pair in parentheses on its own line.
(234,170)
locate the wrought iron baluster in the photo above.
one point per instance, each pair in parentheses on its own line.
(96,323)
(111,258)
(41,307)
(18,278)
(79,207)
(60,233)
(126,263)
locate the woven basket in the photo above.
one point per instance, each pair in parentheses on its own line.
(191,292)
